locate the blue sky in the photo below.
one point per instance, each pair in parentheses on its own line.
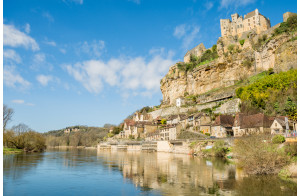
(87,62)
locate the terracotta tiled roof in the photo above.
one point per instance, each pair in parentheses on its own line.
(224,120)
(129,122)
(255,120)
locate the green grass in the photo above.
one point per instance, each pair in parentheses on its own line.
(11,150)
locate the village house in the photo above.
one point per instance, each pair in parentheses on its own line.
(238,25)
(128,127)
(168,132)
(251,124)
(154,136)
(222,126)
(138,116)
(202,123)
(279,125)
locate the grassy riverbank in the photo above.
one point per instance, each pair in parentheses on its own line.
(11,150)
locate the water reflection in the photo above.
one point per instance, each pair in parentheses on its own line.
(26,161)
(175,174)
(90,172)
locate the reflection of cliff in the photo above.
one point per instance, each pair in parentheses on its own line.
(174,174)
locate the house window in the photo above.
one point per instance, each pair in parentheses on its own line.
(275,124)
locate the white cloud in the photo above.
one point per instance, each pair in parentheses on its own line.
(179,31)
(39,58)
(48,16)
(11,55)
(208,5)
(187,33)
(15,38)
(94,48)
(125,73)
(18,101)
(63,50)
(50,43)
(13,79)
(27,28)
(44,79)
(235,3)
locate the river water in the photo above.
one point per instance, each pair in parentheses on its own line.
(92,172)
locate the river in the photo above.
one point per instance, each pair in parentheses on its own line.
(92,172)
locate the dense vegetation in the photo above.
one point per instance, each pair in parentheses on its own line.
(274,94)
(195,61)
(257,155)
(85,136)
(22,137)
(290,26)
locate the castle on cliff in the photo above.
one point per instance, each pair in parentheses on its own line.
(239,25)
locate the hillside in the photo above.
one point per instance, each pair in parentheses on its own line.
(230,62)
(76,136)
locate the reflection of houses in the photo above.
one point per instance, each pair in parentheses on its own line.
(222,126)
(251,124)
(279,125)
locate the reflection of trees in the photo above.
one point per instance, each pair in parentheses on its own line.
(17,165)
(265,185)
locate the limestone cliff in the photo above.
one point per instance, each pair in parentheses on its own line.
(236,61)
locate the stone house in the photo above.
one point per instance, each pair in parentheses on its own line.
(138,116)
(183,120)
(251,124)
(154,136)
(222,127)
(239,25)
(197,51)
(168,133)
(202,123)
(128,127)
(279,125)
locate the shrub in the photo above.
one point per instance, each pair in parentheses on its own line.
(163,121)
(247,63)
(242,42)
(219,149)
(278,139)
(289,26)
(230,48)
(259,157)
(265,90)
(291,149)
(208,134)
(214,48)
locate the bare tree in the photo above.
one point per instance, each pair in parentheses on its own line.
(7,115)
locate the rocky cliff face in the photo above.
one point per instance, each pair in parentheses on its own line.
(258,53)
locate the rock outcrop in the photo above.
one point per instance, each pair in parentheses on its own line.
(257,53)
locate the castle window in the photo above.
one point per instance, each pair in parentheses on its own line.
(249,20)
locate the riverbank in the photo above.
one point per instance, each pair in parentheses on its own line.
(72,147)
(11,150)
